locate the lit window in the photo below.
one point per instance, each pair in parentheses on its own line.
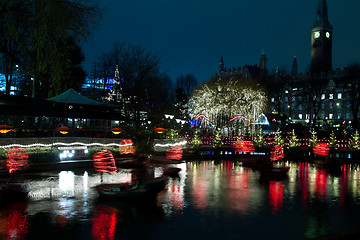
(339,116)
(286,91)
(339,96)
(322,96)
(272,99)
(330,116)
(331,96)
(300,116)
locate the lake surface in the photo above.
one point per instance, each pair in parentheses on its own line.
(208,200)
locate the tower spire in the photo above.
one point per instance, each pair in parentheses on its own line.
(294,69)
(263,64)
(221,66)
(321,40)
(322,19)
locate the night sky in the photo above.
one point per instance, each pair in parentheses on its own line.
(192,35)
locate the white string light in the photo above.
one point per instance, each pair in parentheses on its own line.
(171,144)
(66,145)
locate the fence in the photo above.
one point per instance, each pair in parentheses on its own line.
(229,141)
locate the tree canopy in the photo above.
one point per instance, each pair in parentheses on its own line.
(45,38)
(221,99)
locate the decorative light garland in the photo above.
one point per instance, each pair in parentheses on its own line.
(66,145)
(171,144)
(244,146)
(239,116)
(16,159)
(104,162)
(174,153)
(277,153)
(126,147)
(202,115)
(321,149)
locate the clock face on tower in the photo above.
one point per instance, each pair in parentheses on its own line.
(327,34)
(317,34)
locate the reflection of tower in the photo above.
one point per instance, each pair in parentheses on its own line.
(263,64)
(321,40)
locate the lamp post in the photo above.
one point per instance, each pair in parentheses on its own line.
(33,88)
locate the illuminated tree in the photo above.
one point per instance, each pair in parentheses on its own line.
(293,141)
(313,139)
(259,140)
(354,143)
(278,140)
(217,140)
(196,141)
(222,99)
(172,134)
(333,142)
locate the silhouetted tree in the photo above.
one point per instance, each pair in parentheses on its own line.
(143,85)
(43,38)
(314,88)
(185,85)
(14,29)
(55,24)
(353,78)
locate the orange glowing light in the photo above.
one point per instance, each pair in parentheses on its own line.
(159,130)
(244,146)
(277,153)
(116,131)
(321,149)
(63,130)
(5,129)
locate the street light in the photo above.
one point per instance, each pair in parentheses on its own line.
(33,88)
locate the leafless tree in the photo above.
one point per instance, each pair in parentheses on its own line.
(314,88)
(143,85)
(353,79)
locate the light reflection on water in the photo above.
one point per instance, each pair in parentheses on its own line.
(209,199)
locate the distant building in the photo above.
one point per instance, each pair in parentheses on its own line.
(293,94)
(248,72)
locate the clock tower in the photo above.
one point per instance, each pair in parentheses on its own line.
(321,40)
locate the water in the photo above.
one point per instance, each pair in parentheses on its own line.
(209,200)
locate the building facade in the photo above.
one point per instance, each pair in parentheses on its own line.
(323,95)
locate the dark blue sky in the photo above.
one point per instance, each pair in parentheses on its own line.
(192,35)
